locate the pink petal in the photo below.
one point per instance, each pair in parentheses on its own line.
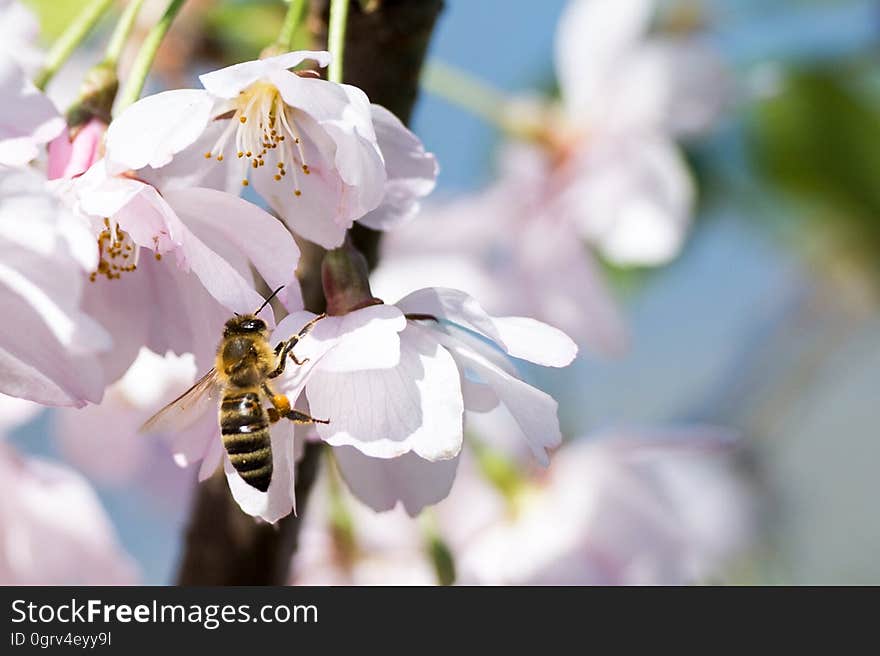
(258,235)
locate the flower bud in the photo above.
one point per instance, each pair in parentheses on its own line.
(346,280)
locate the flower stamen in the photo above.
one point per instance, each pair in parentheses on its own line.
(262,123)
(118,254)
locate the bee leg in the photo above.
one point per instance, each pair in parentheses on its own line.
(298,417)
(302,333)
(280,404)
(281,408)
(282,350)
(285,349)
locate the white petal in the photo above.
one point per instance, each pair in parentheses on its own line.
(326,206)
(255,233)
(533,410)
(453,305)
(535,341)
(381,483)
(279,500)
(363,339)
(230,81)
(411,172)
(154,129)
(415,406)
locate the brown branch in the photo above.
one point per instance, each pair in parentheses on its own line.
(386,41)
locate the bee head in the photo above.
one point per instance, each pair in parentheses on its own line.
(243,324)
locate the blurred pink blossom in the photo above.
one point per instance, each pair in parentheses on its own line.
(610,163)
(53,530)
(621,508)
(30,120)
(318,153)
(103,440)
(19,35)
(342,542)
(618,508)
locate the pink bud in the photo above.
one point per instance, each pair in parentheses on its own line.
(68,157)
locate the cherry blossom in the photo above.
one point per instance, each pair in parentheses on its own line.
(318,153)
(55,531)
(30,120)
(174,262)
(50,351)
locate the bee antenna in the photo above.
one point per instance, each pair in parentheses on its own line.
(236,314)
(271,296)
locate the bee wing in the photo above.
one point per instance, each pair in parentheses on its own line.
(186,408)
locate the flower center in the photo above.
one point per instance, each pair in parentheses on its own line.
(264,130)
(118,254)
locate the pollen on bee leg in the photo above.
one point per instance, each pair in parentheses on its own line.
(245,183)
(297,192)
(281,403)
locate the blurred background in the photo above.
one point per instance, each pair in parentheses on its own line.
(768,321)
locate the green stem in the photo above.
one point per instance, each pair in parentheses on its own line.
(144,60)
(122,32)
(336,38)
(294,15)
(65,45)
(465,91)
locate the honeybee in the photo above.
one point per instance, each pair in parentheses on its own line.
(245,363)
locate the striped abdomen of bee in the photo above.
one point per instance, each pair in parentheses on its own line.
(244,427)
